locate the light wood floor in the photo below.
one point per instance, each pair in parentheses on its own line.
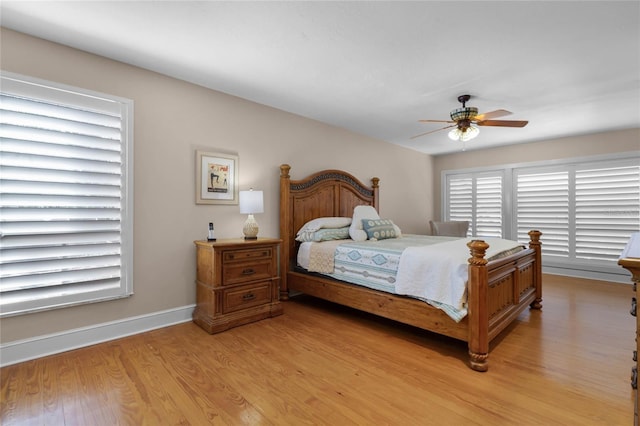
(322,364)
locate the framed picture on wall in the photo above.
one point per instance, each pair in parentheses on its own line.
(216,178)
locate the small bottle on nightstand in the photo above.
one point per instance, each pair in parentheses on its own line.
(211,236)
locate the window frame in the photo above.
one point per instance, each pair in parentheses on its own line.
(25,301)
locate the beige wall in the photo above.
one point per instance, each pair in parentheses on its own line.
(619,141)
(173,119)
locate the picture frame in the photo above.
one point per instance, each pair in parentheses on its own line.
(216,178)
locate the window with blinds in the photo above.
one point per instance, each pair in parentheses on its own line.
(477,198)
(586,210)
(542,203)
(607,209)
(65,196)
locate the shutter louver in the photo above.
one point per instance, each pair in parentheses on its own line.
(489,206)
(460,198)
(476,198)
(61,199)
(607,210)
(542,202)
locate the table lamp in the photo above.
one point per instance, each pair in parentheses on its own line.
(251,202)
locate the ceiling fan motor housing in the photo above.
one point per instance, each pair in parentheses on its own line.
(466,113)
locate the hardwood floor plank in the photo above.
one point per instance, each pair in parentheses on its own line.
(322,364)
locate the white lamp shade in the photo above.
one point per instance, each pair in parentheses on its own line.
(251,202)
(469,133)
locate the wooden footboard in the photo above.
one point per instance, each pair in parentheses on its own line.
(498,291)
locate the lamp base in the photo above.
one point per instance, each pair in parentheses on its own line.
(250,228)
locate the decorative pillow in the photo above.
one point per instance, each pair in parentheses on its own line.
(398,231)
(324,234)
(325,222)
(379,229)
(361,212)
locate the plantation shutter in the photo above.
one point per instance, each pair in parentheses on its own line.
(460,198)
(488,221)
(65,196)
(476,198)
(542,203)
(607,209)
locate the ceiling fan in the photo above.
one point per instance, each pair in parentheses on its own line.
(465,121)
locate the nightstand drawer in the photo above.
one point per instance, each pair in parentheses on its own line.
(255,254)
(246,296)
(246,271)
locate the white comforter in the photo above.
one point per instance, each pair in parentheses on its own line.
(443,277)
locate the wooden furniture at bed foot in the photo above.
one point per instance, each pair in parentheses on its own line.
(237,282)
(633,266)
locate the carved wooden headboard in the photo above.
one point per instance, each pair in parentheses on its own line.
(324,194)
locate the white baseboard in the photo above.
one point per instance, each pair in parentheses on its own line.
(50,344)
(623,277)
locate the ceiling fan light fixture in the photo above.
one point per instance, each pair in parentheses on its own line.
(465,121)
(465,134)
(466,113)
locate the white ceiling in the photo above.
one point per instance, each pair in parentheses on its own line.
(376,68)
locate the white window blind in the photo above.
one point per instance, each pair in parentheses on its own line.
(488,220)
(65,196)
(542,203)
(607,201)
(477,198)
(460,198)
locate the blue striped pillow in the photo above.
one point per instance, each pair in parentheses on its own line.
(324,234)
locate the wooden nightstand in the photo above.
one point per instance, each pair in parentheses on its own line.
(237,282)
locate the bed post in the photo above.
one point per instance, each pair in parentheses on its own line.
(375,185)
(534,243)
(478,292)
(285,224)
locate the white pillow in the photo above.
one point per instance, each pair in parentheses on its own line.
(325,223)
(356,232)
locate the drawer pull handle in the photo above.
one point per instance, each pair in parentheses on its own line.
(635,356)
(634,377)
(633,306)
(248,296)
(248,271)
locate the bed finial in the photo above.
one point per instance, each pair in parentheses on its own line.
(374,182)
(478,249)
(534,236)
(284,170)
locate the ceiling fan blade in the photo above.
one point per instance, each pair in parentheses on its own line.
(436,121)
(493,114)
(432,131)
(502,123)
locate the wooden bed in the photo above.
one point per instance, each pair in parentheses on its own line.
(498,291)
